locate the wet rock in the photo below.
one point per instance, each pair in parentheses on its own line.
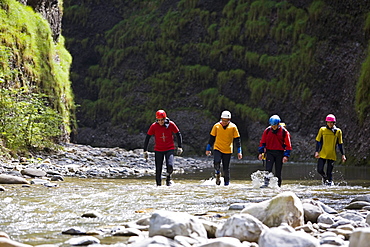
(33,172)
(51,185)
(244,227)
(9,179)
(2,188)
(75,231)
(86,240)
(6,242)
(285,207)
(4,235)
(92,214)
(238,206)
(39,181)
(127,232)
(57,178)
(357,205)
(365,198)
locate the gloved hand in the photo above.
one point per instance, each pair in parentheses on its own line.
(179,151)
(145,154)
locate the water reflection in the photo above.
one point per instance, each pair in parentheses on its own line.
(38,215)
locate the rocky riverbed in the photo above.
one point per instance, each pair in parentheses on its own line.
(284,220)
(86,162)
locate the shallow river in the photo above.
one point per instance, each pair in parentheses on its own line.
(38,215)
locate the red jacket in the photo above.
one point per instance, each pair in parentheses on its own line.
(276,141)
(163,136)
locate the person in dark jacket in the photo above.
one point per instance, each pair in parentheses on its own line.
(275,144)
(164,147)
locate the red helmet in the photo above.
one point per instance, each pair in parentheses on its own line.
(160,114)
(330,118)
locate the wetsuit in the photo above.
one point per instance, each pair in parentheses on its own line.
(326,141)
(164,147)
(276,144)
(222,138)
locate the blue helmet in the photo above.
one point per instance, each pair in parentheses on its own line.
(274,120)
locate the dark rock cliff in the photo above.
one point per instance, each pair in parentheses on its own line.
(51,11)
(330,77)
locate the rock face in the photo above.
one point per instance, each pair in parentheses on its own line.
(339,52)
(51,11)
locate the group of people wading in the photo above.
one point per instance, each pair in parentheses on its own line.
(274,147)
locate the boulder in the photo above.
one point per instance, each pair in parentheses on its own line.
(283,208)
(156,241)
(85,240)
(360,237)
(244,227)
(275,237)
(33,172)
(9,179)
(171,224)
(312,210)
(223,242)
(365,198)
(6,242)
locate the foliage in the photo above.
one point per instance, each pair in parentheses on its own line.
(34,68)
(250,56)
(27,121)
(362,102)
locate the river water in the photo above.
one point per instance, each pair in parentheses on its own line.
(37,214)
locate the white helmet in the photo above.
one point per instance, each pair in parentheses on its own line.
(226,114)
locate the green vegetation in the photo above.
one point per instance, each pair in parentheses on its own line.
(158,39)
(37,105)
(27,122)
(172,60)
(246,57)
(363,85)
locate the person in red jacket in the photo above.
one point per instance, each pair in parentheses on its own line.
(164,147)
(275,143)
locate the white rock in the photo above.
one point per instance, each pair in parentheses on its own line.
(171,224)
(222,242)
(283,208)
(360,237)
(275,237)
(244,227)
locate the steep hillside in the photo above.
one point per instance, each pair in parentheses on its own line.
(36,99)
(301,59)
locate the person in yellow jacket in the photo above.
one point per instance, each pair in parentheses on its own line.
(327,140)
(222,136)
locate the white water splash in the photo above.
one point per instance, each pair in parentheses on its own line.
(212,181)
(258,179)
